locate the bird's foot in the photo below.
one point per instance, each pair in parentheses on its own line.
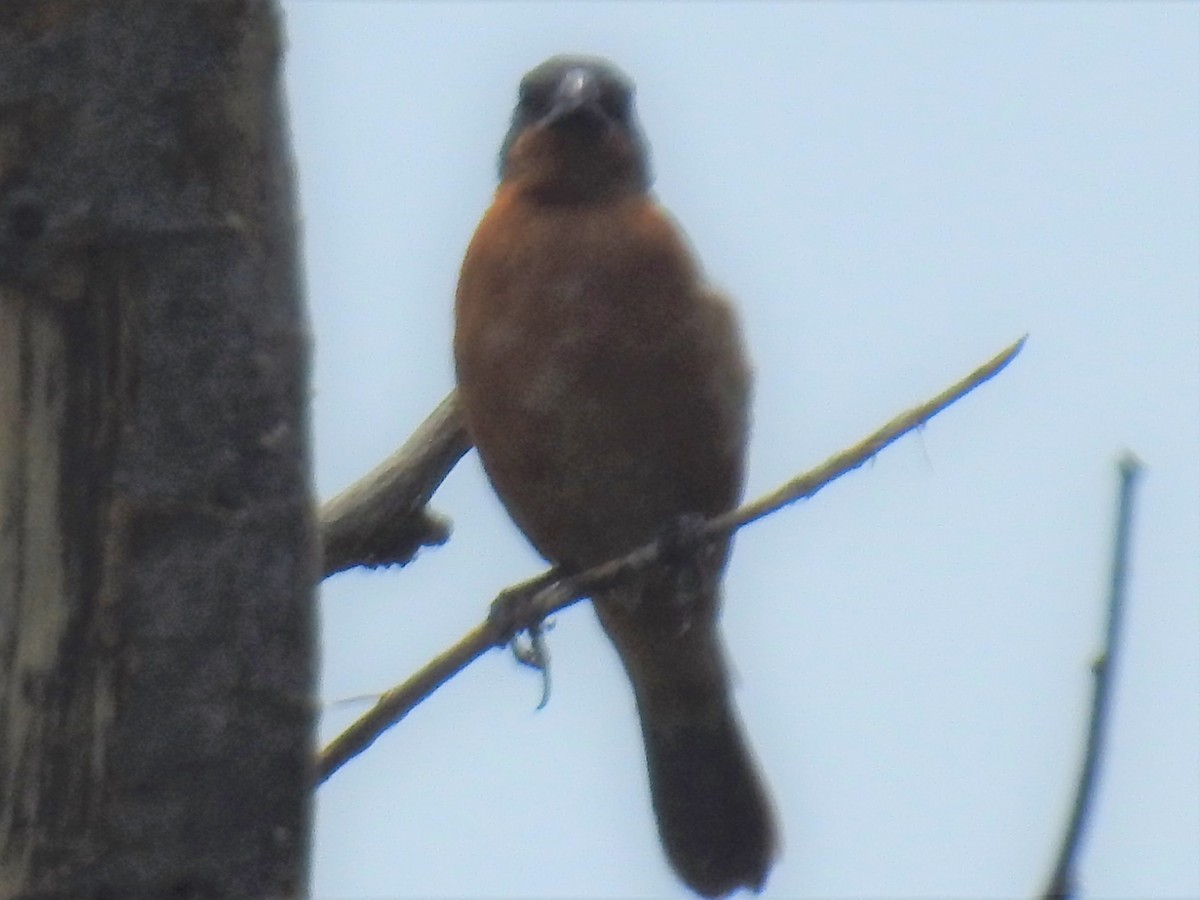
(513,612)
(681,539)
(684,554)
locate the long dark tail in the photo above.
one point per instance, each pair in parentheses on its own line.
(715,819)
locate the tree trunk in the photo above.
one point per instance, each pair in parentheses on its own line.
(157,548)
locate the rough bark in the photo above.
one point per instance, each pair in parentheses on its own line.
(157,542)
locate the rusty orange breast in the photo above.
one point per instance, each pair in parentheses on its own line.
(605,387)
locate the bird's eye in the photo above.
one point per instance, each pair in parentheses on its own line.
(616,101)
(535,98)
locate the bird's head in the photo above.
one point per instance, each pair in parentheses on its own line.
(574,133)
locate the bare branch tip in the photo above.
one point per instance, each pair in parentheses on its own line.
(1130,465)
(1009,353)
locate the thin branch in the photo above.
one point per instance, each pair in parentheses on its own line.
(527,604)
(806,485)
(382,519)
(1062,882)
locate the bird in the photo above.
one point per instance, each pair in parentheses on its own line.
(606,387)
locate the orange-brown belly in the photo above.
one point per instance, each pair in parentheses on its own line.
(604,388)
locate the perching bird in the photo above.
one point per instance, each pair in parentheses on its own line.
(606,388)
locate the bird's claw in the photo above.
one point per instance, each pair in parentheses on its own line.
(536,655)
(681,539)
(511,615)
(684,553)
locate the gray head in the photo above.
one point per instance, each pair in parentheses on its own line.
(575,123)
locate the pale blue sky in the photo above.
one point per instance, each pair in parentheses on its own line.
(892,193)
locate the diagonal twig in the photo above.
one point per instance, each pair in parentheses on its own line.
(1062,881)
(525,605)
